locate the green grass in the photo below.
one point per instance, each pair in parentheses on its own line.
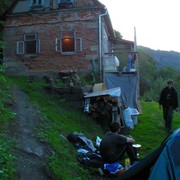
(7,167)
(6,143)
(149,131)
(60,119)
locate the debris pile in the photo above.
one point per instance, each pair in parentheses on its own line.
(70,78)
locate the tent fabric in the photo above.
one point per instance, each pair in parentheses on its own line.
(163,163)
(142,169)
(128,84)
(168,164)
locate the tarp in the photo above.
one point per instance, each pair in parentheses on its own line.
(114,92)
(128,84)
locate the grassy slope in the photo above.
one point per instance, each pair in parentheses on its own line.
(59,120)
(150,129)
(6,143)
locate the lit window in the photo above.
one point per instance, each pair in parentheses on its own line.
(68,42)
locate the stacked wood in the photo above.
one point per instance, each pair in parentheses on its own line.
(101,105)
(106,109)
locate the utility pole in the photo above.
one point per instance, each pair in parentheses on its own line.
(137,68)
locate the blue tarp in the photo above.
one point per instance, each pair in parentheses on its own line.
(128,84)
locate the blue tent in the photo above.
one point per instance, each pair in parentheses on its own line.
(162,164)
(167,165)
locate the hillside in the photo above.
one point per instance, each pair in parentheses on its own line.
(163,58)
(40,124)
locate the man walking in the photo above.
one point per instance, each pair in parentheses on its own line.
(169,101)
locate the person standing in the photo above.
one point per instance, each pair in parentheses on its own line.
(168,100)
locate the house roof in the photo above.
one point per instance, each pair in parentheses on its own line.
(107,18)
(110,27)
(121,41)
(97,2)
(122,45)
(103,8)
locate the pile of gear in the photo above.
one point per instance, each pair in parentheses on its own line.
(89,155)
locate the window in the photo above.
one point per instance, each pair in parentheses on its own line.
(36,3)
(30,45)
(68,42)
(66,3)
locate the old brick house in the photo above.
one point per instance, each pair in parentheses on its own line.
(45,36)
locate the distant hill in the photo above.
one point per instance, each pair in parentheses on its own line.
(163,58)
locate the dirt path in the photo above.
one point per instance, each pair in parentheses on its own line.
(30,153)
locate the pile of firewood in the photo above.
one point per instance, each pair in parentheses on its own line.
(105,109)
(102,105)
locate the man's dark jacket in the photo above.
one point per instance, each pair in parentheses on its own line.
(168,98)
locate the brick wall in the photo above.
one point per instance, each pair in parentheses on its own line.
(48,26)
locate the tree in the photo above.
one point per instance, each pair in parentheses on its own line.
(118,34)
(153,79)
(4,6)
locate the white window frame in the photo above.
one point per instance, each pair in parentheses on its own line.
(78,46)
(32,34)
(57,45)
(21,45)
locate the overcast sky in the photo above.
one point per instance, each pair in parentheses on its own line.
(157,22)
